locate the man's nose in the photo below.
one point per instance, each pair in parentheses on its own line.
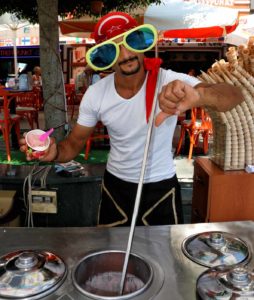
(124,52)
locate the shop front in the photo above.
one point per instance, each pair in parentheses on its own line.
(28,58)
(184,56)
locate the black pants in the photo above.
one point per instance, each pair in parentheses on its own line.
(161,202)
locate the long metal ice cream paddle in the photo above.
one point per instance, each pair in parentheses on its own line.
(140,185)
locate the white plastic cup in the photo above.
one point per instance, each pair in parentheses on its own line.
(36,148)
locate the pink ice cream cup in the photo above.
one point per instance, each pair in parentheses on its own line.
(36,148)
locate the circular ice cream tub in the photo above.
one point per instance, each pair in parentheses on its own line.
(30,274)
(36,148)
(225,283)
(213,248)
(98,275)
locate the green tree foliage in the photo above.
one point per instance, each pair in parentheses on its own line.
(28,9)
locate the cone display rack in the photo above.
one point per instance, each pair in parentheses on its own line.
(233,131)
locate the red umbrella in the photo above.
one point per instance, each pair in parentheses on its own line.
(173,18)
(82,27)
(201,32)
(77,27)
(189,19)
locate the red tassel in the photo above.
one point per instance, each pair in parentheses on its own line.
(152,65)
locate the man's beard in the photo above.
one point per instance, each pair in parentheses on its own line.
(133,71)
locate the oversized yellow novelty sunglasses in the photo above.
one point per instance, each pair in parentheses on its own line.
(138,39)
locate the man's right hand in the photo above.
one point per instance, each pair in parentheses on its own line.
(49,155)
(175,98)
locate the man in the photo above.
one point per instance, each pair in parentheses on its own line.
(37,76)
(120,102)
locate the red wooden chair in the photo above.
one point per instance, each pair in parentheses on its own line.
(8,120)
(200,124)
(96,135)
(27,107)
(70,97)
(78,98)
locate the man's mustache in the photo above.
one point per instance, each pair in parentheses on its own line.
(128,60)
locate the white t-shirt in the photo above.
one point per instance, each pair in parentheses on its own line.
(125,120)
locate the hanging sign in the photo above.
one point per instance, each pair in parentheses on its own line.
(25,52)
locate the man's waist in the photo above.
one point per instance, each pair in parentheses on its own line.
(134,176)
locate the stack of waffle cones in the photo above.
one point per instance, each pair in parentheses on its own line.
(233,131)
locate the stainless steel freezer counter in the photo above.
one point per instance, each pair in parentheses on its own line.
(174,275)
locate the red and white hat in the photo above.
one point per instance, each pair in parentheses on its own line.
(113,24)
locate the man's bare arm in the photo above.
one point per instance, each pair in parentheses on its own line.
(70,147)
(177,97)
(219,97)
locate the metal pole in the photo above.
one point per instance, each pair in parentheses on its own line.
(15,55)
(140,185)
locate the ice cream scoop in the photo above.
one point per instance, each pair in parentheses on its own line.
(45,135)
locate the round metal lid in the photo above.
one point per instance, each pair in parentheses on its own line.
(30,273)
(215,248)
(226,282)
